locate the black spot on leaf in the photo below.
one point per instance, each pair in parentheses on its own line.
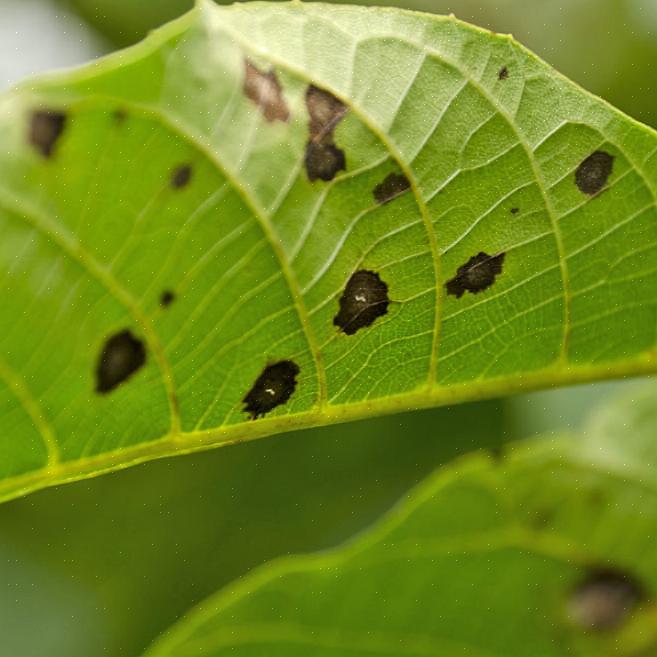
(181,176)
(592,174)
(476,274)
(604,599)
(365,298)
(323,161)
(120,116)
(272,388)
(515,210)
(46,127)
(503,73)
(167,298)
(393,185)
(265,91)
(122,355)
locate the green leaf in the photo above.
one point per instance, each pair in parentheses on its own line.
(175,260)
(545,552)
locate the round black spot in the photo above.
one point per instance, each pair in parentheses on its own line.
(46,127)
(167,298)
(592,174)
(365,298)
(503,73)
(476,275)
(323,161)
(181,176)
(122,355)
(515,210)
(272,388)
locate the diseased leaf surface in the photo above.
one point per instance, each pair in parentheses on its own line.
(213,191)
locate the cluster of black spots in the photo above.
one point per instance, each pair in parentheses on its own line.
(266,92)
(393,186)
(167,298)
(181,176)
(46,127)
(503,73)
(272,388)
(515,210)
(604,599)
(592,174)
(365,298)
(122,355)
(476,275)
(323,158)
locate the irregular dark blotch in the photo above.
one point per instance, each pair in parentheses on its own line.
(181,176)
(323,161)
(122,355)
(503,73)
(167,298)
(515,210)
(46,127)
(272,388)
(604,599)
(394,185)
(365,298)
(592,174)
(325,111)
(265,91)
(476,274)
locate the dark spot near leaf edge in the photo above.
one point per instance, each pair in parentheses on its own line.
(265,91)
(604,599)
(46,127)
(503,73)
(122,355)
(167,298)
(476,275)
(592,174)
(393,186)
(323,161)
(272,388)
(365,298)
(181,176)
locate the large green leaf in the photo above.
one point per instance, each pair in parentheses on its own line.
(547,552)
(170,234)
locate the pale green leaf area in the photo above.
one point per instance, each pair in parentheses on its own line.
(546,552)
(258,255)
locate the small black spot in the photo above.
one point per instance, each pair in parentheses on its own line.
(323,161)
(122,355)
(46,127)
(476,275)
(325,111)
(167,298)
(181,176)
(503,73)
(515,210)
(604,599)
(272,388)
(394,185)
(265,91)
(365,298)
(120,116)
(592,174)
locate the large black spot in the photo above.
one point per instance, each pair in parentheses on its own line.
(272,388)
(365,298)
(476,274)
(122,355)
(46,127)
(265,91)
(592,174)
(393,185)
(323,161)
(604,599)
(181,176)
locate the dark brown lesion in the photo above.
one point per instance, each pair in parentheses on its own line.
(121,357)
(266,92)
(393,186)
(167,298)
(181,176)
(323,158)
(272,388)
(476,275)
(593,173)
(365,298)
(503,73)
(46,127)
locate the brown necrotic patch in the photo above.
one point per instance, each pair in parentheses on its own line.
(592,174)
(266,92)
(476,275)
(503,73)
(604,599)
(122,355)
(365,298)
(323,158)
(272,388)
(46,127)
(393,185)
(181,176)
(167,298)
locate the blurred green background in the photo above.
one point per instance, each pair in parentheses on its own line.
(101,567)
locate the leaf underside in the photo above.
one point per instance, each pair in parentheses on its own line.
(273,216)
